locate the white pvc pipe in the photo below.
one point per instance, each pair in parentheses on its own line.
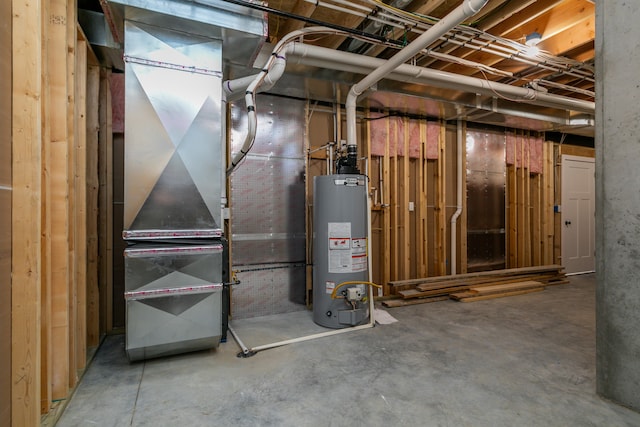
(275,64)
(456,214)
(464,36)
(310,337)
(459,14)
(370,324)
(345,61)
(351,62)
(235,89)
(235,336)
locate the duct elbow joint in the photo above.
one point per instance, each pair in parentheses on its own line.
(352,97)
(471,7)
(276,71)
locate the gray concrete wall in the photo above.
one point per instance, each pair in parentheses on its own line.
(618,201)
(5,213)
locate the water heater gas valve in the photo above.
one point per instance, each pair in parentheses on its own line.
(355,294)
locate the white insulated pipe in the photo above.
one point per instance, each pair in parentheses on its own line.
(247,352)
(459,14)
(270,74)
(309,337)
(235,89)
(456,214)
(393,69)
(235,336)
(350,62)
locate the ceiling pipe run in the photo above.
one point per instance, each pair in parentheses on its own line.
(459,14)
(350,62)
(289,50)
(321,57)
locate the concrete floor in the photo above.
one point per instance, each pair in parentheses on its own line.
(519,361)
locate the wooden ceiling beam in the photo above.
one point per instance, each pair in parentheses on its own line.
(567,27)
(506,19)
(524,16)
(583,53)
(491,20)
(559,44)
(301,8)
(571,38)
(549,23)
(555,21)
(426,7)
(573,81)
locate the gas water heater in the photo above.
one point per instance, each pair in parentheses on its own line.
(340,258)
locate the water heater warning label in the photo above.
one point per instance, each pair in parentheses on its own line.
(329,287)
(346,253)
(339,243)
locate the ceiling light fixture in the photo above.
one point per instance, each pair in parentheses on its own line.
(533,39)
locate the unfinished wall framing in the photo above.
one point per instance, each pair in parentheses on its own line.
(530,177)
(411,165)
(55,249)
(105,201)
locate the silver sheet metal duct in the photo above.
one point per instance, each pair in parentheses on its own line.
(174,173)
(173,147)
(242,31)
(269,229)
(96,28)
(268,232)
(174,297)
(173,186)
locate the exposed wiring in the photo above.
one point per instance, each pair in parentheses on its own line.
(470,64)
(278,18)
(417,18)
(473,34)
(349,31)
(462,36)
(533,97)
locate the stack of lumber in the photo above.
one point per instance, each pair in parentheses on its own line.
(475,286)
(480,293)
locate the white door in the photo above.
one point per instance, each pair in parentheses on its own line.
(578,214)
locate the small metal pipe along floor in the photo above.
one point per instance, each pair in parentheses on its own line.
(519,361)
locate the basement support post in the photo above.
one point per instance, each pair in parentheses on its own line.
(617,203)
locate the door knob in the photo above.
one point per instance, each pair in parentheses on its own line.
(567,223)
